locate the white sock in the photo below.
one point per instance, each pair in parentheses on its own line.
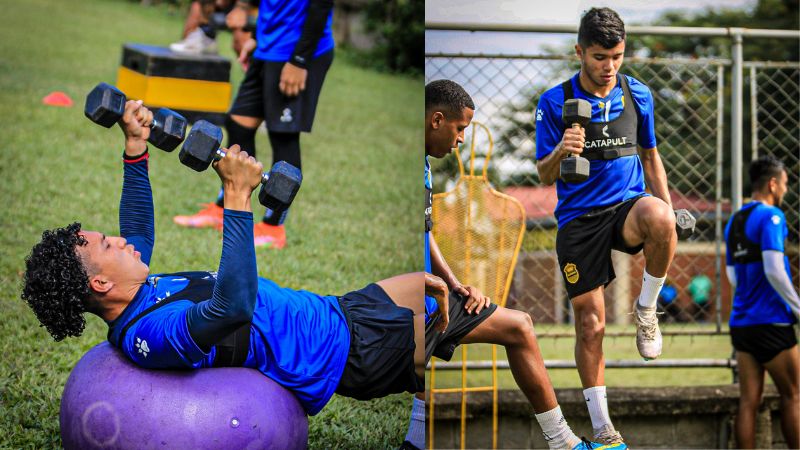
(651,287)
(597,403)
(556,430)
(416,426)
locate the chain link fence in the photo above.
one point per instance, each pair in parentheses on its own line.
(692,107)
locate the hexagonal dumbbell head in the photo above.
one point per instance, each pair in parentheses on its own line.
(168,129)
(280,187)
(684,223)
(105,105)
(201,146)
(576,110)
(574,169)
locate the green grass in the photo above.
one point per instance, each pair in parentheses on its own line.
(675,347)
(355,220)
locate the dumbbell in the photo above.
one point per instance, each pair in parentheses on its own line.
(684,223)
(576,113)
(105,105)
(278,187)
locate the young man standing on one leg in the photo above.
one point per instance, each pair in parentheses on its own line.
(610,210)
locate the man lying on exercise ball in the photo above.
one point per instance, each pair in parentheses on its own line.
(360,345)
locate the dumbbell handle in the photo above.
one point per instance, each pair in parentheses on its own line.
(219,154)
(574,155)
(155,122)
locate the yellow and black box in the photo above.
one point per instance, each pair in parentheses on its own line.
(197,86)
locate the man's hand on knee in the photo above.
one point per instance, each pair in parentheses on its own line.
(476,301)
(436,287)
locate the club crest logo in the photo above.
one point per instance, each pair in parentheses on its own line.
(571,272)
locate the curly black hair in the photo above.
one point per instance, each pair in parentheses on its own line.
(56,284)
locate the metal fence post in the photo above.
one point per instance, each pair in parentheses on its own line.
(718,193)
(736,119)
(753,114)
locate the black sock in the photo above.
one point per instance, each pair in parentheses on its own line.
(285,147)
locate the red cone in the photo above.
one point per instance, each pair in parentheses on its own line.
(57,98)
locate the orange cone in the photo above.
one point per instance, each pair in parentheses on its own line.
(57,98)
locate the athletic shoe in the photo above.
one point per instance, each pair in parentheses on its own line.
(406,445)
(195,43)
(607,435)
(210,216)
(648,335)
(270,236)
(588,445)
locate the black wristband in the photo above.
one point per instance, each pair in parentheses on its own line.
(298,61)
(125,157)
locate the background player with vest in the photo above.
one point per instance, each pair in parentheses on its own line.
(765,303)
(610,210)
(286,63)
(457,314)
(362,344)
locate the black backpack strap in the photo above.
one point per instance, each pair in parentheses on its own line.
(147,311)
(567,87)
(231,351)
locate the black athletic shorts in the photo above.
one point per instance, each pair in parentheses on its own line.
(381,358)
(764,342)
(584,247)
(442,345)
(259,95)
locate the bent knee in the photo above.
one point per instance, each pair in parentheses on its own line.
(522,326)
(658,217)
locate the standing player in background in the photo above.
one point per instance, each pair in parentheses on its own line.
(286,64)
(610,210)
(765,303)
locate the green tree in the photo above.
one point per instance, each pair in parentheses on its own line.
(401,30)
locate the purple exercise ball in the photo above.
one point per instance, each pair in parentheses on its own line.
(109,402)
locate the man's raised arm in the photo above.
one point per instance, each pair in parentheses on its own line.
(136,222)
(235,291)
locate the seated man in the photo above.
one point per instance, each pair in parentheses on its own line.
(360,345)
(200,31)
(456,314)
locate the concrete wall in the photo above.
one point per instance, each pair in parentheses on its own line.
(349,27)
(671,417)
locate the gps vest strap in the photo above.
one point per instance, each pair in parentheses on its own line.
(744,250)
(428,209)
(615,138)
(232,349)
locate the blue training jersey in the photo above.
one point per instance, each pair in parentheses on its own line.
(610,181)
(279,26)
(755,301)
(299,339)
(430,302)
